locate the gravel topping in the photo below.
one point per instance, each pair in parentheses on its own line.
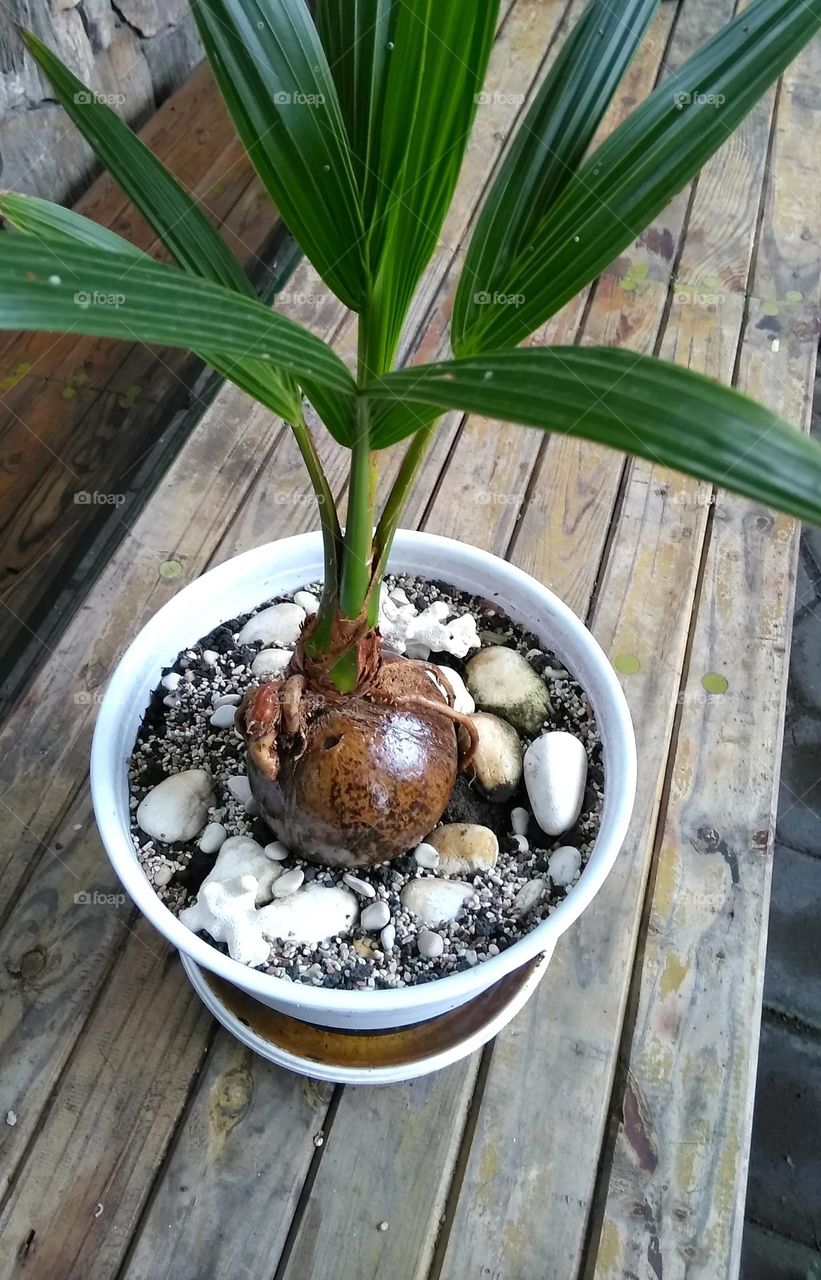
(389,947)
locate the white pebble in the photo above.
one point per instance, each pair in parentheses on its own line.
(529,896)
(519,820)
(171,681)
(11,1118)
(172,701)
(213,838)
(307,601)
(472,957)
(426,856)
(430,944)
(522,843)
(362,887)
(289,883)
(555,775)
(223,717)
(564,865)
(276,851)
(435,901)
(177,808)
(388,937)
(225,700)
(271,662)
(162,876)
(311,915)
(210,658)
(279,625)
(376,916)
(240,787)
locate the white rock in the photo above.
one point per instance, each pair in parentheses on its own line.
(162,876)
(279,624)
(210,658)
(435,901)
(497,761)
(225,700)
(271,662)
(213,837)
(277,851)
(307,601)
(171,681)
(375,916)
(313,914)
(240,788)
(177,808)
(362,887)
(223,717)
(520,821)
(394,617)
(504,683)
(430,944)
(464,702)
(430,631)
(427,856)
(472,957)
(464,848)
(289,882)
(529,896)
(555,776)
(387,937)
(564,865)
(522,843)
(241,856)
(225,909)
(171,700)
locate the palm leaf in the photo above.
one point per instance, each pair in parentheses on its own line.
(437,67)
(65,287)
(273,74)
(633,175)
(549,146)
(639,404)
(357,36)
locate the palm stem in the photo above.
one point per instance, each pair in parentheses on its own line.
(331,535)
(389,521)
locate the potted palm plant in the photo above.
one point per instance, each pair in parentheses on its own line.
(357,120)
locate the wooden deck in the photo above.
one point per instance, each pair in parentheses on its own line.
(605,1132)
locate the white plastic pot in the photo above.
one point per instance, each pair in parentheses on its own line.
(243,584)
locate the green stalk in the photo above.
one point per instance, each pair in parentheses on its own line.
(357,555)
(389,521)
(331,535)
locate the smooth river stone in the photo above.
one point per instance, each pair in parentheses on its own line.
(278,625)
(435,901)
(555,776)
(312,914)
(177,808)
(497,761)
(504,683)
(464,848)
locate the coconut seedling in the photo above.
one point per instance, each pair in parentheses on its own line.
(357,119)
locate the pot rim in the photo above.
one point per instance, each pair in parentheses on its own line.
(106,779)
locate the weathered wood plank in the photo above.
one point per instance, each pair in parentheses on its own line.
(217,1213)
(75,1204)
(681,1150)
